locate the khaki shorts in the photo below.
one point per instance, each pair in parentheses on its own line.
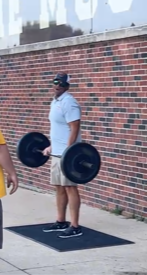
(57,177)
(1,225)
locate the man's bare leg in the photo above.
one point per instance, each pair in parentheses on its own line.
(74,204)
(61,201)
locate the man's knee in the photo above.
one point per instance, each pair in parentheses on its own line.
(60,190)
(73,196)
(72,190)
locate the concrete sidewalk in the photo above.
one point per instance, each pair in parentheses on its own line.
(21,256)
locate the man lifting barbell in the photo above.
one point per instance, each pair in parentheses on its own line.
(64,116)
(73,162)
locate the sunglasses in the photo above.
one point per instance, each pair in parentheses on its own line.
(58,82)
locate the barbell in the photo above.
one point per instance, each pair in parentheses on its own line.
(80,162)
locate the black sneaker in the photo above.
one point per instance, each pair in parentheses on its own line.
(57,226)
(71,232)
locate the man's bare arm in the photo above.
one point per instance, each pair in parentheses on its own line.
(74,126)
(5,160)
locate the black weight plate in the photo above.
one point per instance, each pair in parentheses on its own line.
(25,148)
(70,162)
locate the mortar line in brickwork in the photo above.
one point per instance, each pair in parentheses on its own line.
(105,60)
(84,131)
(128,130)
(91,140)
(38,78)
(140,66)
(126,165)
(82,56)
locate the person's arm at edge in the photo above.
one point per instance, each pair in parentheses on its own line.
(5,160)
(7,165)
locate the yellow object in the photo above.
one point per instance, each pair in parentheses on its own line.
(2,178)
(2,184)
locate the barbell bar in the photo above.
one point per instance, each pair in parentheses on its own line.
(84,163)
(80,162)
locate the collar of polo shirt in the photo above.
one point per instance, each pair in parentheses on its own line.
(61,96)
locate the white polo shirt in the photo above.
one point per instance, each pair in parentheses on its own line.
(63,110)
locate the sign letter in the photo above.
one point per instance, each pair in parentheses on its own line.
(120,6)
(15,24)
(84,10)
(52,10)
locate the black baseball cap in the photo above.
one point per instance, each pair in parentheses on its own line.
(63,77)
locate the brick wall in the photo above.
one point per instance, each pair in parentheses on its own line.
(110,81)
